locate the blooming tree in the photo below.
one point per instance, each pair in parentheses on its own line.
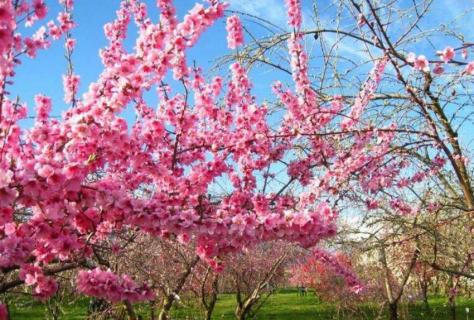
(428,93)
(254,275)
(204,284)
(165,264)
(329,278)
(72,184)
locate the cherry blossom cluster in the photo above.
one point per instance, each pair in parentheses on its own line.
(108,285)
(365,95)
(447,55)
(13,44)
(330,260)
(395,177)
(294,13)
(44,287)
(235,35)
(323,272)
(71,85)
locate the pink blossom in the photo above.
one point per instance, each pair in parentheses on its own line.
(365,94)
(372,204)
(6,178)
(44,287)
(300,170)
(6,215)
(235,36)
(6,39)
(6,12)
(107,285)
(469,68)
(40,8)
(71,85)
(438,69)
(294,13)
(45,170)
(447,54)
(402,207)
(361,20)
(30,274)
(65,21)
(3,312)
(70,44)
(433,207)
(43,107)
(419,63)
(68,3)
(349,276)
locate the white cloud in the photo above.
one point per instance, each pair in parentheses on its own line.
(271,10)
(275,12)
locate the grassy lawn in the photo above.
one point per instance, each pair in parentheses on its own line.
(283,305)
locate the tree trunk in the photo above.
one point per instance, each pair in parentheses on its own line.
(212,300)
(424,292)
(452,307)
(238,313)
(241,313)
(167,304)
(170,298)
(152,310)
(436,286)
(393,309)
(96,306)
(243,309)
(208,314)
(130,312)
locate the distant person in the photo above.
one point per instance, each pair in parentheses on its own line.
(302,290)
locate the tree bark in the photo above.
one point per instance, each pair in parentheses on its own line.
(171,297)
(96,306)
(424,292)
(452,307)
(152,310)
(393,309)
(167,304)
(209,306)
(392,297)
(4,287)
(244,307)
(130,311)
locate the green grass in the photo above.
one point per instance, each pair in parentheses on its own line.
(31,309)
(284,305)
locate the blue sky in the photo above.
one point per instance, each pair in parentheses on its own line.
(44,73)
